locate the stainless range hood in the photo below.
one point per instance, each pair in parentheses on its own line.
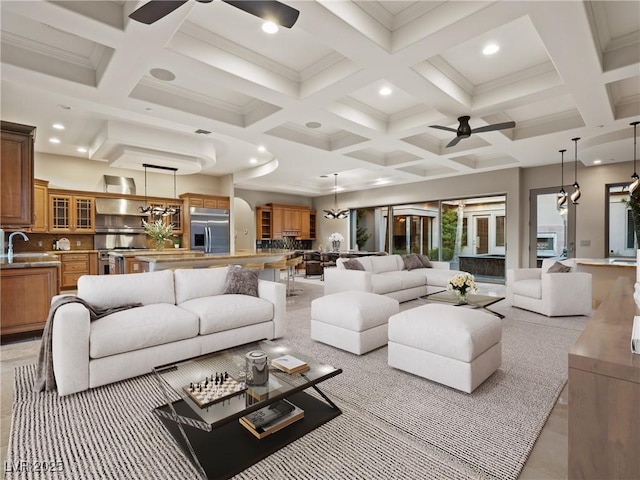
(114,184)
(119,206)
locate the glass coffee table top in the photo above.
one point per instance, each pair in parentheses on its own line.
(474,300)
(280,385)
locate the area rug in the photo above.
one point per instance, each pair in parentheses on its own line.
(394,425)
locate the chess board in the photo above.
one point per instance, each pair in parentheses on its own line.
(207,392)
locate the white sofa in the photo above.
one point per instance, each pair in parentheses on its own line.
(550,294)
(183,314)
(387,275)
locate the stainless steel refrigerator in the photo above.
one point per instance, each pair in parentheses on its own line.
(209,230)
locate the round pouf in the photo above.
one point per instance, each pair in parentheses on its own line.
(352,321)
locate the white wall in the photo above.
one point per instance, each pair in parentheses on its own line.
(244,224)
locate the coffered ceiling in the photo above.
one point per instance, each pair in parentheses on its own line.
(132,93)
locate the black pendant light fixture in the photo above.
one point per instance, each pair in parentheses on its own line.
(633,186)
(575,196)
(335,213)
(562,194)
(158,211)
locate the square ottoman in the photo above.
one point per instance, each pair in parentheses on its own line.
(352,321)
(455,346)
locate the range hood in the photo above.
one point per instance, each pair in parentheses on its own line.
(117,206)
(115,184)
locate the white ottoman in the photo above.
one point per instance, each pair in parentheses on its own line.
(352,321)
(455,346)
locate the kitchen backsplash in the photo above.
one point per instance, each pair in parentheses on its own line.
(43,242)
(286,244)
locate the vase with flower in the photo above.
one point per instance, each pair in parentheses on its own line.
(335,239)
(461,285)
(159,231)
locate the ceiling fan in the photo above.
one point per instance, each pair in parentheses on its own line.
(270,10)
(465,131)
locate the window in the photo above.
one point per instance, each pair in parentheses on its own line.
(465,232)
(500,231)
(630,233)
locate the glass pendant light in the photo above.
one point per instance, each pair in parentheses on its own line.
(633,186)
(335,213)
(562,194)
(575,196)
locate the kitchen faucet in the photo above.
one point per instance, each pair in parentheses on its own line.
(10,248)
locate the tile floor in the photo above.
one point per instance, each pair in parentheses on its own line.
(548,460)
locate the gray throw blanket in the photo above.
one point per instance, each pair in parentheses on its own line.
(45,379)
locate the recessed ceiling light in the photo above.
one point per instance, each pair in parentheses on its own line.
(597,162)
(162,74)
(82,150)
(58,126)
(313,124)
(269,27)
(54,140)
(262,149)
(490,49)
(385,91)
(253,160)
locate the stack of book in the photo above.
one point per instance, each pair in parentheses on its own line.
(290,364)
(272,418)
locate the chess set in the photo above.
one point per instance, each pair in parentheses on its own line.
(214,389)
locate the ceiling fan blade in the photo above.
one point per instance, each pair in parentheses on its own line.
(277,12)
(154,10)
(454,142)
(495,126)
(439,127)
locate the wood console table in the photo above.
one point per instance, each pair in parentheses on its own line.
(604,393)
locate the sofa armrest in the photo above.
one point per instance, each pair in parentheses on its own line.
(341,280)
(70,348)
(441,265)
(275,293)
(568,293)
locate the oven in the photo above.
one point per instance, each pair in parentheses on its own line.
(112,264)
(103,262)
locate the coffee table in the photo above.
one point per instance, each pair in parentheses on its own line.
(212,437)
(474,300)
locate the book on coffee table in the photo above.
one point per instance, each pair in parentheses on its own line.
(272,418)
(290,364)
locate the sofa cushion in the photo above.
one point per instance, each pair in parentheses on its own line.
(225,312)
(426,262)
(382,284)
(409,279)
(388,263)
(411,261)
(531,288)
(141,327)
(353,264)
(199,282)
(241,281)
(108,291)
(439,278)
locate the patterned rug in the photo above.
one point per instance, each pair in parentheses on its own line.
(394,425)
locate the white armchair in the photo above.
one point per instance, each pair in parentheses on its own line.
(551,294)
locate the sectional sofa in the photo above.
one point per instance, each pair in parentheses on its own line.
(184,314)
(388,275)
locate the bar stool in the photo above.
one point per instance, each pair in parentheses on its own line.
(292,263)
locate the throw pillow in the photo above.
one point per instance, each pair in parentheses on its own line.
(241,281)
(425,261)
(558,268)
(353,264)
(411,261)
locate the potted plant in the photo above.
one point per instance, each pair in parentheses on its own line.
(159,231)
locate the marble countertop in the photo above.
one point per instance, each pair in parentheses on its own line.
(29,260)
(606,262)
(154,253)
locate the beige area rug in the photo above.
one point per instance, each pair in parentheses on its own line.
(394,425)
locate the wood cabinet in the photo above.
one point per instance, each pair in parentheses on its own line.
(16,175)
(40,206)
(74,265)
(604,392)
(285,221)
(26,297)
(70,213)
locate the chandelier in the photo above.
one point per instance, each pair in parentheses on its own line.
(575,196)
(562,194)
(158,211)
(335,213)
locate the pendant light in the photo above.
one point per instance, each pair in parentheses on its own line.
(575,196)
(158,211)
(335,213)
(562,194)
(633,186)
